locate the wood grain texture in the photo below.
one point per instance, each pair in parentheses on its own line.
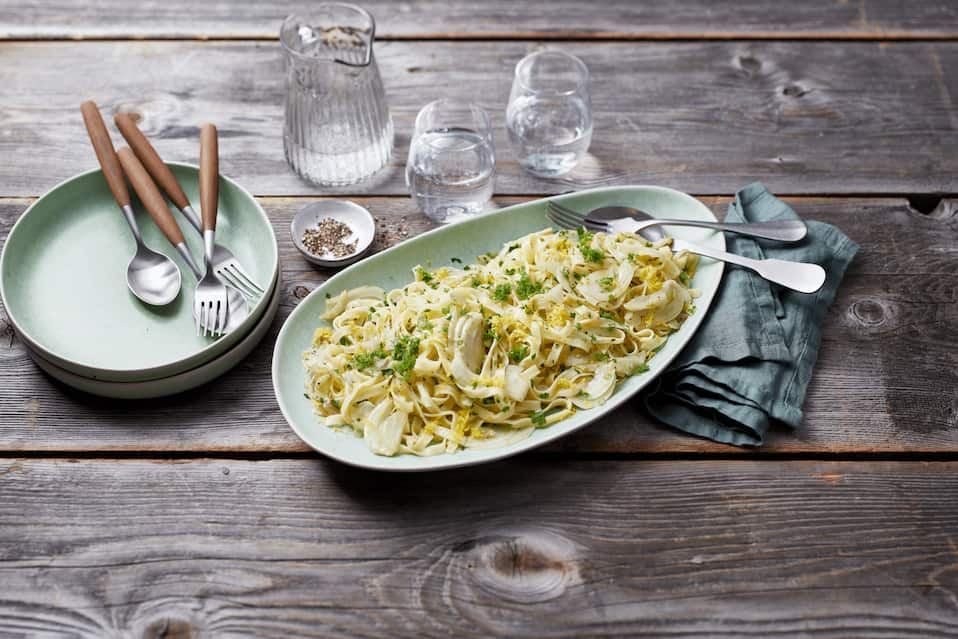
(884,382)
(704,117)
(491,19)
(303,548)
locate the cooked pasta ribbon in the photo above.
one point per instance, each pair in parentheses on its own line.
(479,356)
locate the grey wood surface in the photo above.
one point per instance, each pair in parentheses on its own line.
(703,117)
(492,19)
(885,381)
(525,548)
(203,515)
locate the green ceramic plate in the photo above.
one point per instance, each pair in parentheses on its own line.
(63,280)
(393,268)
(177,383)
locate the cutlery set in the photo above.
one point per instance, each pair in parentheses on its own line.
(798,276)
(224,289)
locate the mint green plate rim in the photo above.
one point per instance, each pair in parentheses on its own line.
(296,334)
(178,383)
(187,174)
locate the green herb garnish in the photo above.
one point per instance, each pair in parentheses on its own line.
(585,246)
(502,292)
(526,288)
(405,352)
(423,275)
(518,354)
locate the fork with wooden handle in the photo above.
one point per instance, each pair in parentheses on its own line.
(209,299)
(225,264)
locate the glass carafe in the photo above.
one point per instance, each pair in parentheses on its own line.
(338,129)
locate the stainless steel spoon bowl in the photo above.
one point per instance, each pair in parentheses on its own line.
(151,276)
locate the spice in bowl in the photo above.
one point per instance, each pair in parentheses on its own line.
(328,239)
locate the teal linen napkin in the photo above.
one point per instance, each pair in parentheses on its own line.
(750,362)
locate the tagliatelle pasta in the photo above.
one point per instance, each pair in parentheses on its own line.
(479,355)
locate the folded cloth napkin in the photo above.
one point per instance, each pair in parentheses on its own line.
(752,358)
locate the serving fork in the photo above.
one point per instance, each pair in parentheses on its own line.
(210,305)
(799,276)
(626,219)
(225,264)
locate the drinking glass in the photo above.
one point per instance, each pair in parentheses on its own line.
(549,117)
(337,128)
(452,161)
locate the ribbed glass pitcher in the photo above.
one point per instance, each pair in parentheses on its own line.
(338,129)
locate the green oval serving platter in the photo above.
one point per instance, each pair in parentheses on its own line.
(464,241)
(63,280)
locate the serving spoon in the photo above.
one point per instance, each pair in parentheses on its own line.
(798,276)
(151,276)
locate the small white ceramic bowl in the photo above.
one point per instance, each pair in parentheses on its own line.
(357,218)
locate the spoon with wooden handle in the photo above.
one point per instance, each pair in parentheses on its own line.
(151,276)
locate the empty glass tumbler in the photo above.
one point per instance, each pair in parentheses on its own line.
(337,129)
(549,117)
(452,161)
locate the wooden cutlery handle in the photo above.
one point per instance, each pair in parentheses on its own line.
(209,175)
(150,196)
(150,159)
(105,153)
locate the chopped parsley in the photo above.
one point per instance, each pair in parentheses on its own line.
(607,315)
(363,361)
(518,354)
(510,271)
(328,296)
(512,247)
(488,400)
(641,368)
(423,275)
(526,288)
(600,356)
(543,395)
(539,418)
(405,352)
(684,277)
(502,292)
(607,283)
(455,260)
(476,282)
(585,246)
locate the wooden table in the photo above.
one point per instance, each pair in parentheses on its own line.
(204,515)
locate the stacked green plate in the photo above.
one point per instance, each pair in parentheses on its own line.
(63,283)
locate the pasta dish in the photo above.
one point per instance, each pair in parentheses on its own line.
(480,355)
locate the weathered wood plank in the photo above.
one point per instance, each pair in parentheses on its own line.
(704,117)
(301,548)
(491,19)
(885,380)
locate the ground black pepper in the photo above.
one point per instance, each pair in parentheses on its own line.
(327,239)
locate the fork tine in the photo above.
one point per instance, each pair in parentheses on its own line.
(235,269)
(568,213)
(566,209)
(564,219)
(220,322)
(559,221)
(239,285)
